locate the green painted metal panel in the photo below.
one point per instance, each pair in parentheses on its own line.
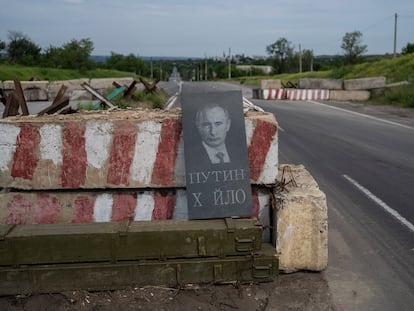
(112,242)
(260,267)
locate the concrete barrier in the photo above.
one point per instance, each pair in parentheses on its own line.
(365,83)
(322,84)
(32,90)
(299,94)
(106,83)
(119,149)
(271,84)
(273,94)
(339,95)
(302,223)
(105,206)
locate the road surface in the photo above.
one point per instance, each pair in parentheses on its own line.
(363,159)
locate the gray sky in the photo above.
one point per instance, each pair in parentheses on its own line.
(198,28)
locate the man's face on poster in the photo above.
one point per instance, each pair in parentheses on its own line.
(213,123)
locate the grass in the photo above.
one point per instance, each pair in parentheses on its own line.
(23,73)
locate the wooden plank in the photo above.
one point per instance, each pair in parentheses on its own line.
(56,106)
(20,97)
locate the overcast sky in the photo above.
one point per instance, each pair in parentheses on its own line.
(198,28)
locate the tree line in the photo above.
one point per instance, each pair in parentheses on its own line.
(282,56)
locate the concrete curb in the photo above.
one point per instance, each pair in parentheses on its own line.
(302,223)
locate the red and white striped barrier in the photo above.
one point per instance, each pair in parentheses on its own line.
(127,149)
(306,94)
(103,206)
(274,94)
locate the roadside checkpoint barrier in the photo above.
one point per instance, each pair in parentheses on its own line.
(321,89)
(126,167)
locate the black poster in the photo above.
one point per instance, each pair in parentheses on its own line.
(216,160)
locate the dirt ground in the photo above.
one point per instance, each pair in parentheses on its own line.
(297,291)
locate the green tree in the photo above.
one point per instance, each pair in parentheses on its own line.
(408,49)
(280,51)
(307,60)
(22,50)
(130,63)
(353,47)
(75,55)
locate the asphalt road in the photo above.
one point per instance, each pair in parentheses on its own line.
(366,168)
(363,159)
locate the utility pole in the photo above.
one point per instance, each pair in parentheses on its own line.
(152,71)
(300,58)
(229,63)
(395,35)
(205,67)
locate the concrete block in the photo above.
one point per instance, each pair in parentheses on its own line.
(72,86)
(302,223)
(324,84)
(32,90)
(106,83)
(271,84)
(365,83)
(117,149)
(302,94)
(109,206)
(349,95)
(273,94)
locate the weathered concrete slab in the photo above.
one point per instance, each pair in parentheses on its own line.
(109,206)
(271,84)
(33,90)
(118,149)
(365,83)
(302,94)
(324,84)
(106,83)
(349,95)
(73,87)
(302,223)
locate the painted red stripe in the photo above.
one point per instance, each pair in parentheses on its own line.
(269,96)
(256,204)
(164,204)
(163,171)
(46,209)
(20,211)
(263,135)
(122,154)
(73,172)
(83,209)
(124,206)
(25,158)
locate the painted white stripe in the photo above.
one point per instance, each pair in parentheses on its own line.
(51,143)
(102,209)
(146,147)
(381,203)
(181,209)
(98,137)
(249,125)
(363,115)
(8,138)
(145,206)
(179,165)
(265,93)
(270,166)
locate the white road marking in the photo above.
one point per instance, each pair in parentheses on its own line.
(280,128)
(381,203)
(363,115)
